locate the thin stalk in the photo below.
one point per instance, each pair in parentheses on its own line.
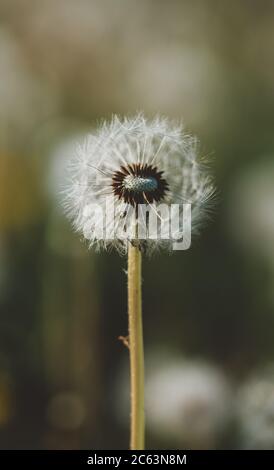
(136,349)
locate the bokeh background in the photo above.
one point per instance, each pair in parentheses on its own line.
(208,312)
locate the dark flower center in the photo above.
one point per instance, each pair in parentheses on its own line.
(139,184)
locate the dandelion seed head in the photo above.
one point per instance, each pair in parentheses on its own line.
(134,161)
(194,405)
(188,402)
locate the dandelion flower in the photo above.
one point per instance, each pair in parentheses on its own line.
(121,170)
(194,405)
(129,162)
(188,401)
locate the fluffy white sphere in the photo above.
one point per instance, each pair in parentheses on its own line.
(128,162)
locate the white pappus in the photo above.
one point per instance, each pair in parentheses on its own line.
(132,161)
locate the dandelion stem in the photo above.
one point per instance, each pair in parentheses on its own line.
(136,349)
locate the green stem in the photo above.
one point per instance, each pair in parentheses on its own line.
(136,349)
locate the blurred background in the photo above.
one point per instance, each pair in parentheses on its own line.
(208,312)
